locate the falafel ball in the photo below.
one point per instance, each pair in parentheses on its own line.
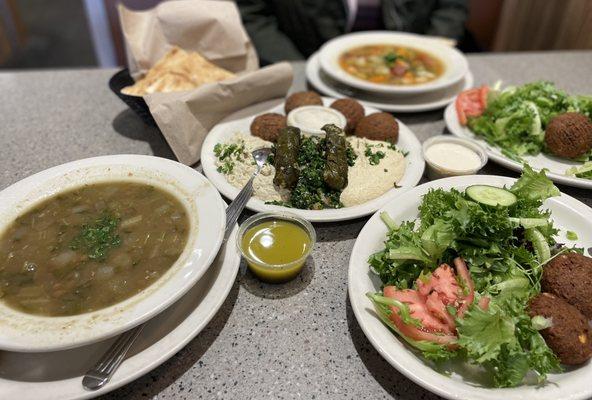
(569,276)
(569,336)
(569,135)
(352,110)
(379,126)
(300,99)
(268,126)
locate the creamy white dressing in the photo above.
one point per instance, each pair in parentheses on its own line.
(310,119)
(453,157)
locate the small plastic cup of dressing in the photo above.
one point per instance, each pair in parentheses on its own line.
(276,245)
(451,156)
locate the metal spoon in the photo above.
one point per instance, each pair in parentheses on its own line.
(101,372)
(237,206)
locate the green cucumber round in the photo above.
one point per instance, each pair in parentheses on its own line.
(491,195)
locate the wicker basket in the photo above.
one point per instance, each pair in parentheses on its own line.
(122,79)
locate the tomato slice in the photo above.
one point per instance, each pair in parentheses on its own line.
(463,272)
(417,334)
(416,303)
(460,112)
(429,303)
(419,309)
(484,303)
(471,103)
(483,92)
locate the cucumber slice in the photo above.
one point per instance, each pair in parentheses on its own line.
(541,247)
(491,195)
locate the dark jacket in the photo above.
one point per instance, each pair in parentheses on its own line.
(294,29)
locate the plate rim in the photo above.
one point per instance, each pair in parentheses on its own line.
(225,280)
(313,69)
(469,392)
(420,40)
(494,154)
(327,215)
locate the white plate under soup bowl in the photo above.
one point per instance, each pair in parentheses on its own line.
(205,209)
(455,63)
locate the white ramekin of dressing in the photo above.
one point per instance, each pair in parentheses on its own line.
(310,119)
(452,156)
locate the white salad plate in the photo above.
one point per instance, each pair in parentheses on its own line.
(393,103)
(556,166)
(567,214)
(58,375)
(455,63)
(204,206)
(240,122)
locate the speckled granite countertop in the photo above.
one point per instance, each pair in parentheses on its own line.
(298,340)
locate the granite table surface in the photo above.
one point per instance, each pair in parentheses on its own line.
(294,341)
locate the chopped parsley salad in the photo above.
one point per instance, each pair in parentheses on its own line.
(456,282)
(515,119)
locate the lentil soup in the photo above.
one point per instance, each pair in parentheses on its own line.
(89,248)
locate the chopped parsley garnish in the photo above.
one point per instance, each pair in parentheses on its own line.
(389,59)
(226,153)
(394,147)
(98,238)
(374,157)
(351,155)
(226,168)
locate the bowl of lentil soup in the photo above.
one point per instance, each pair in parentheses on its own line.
(94,247)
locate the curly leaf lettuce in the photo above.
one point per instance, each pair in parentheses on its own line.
(516,118)
(534,185)
(483,333)
(504,340)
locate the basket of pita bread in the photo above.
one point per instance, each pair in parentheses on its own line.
(177,71)
(190,64)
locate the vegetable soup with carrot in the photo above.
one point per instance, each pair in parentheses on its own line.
(391,65)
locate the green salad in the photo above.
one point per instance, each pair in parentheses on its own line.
(516,117)
(498,240)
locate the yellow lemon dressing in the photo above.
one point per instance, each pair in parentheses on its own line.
(275,249)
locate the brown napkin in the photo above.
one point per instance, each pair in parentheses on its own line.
(214,29)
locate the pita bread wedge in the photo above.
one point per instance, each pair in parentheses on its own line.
(178,70)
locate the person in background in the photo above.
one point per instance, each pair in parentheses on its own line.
(295,29)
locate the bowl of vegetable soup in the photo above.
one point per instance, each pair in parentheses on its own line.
(392,63)
(94,247)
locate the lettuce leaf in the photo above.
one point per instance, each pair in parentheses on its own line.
(483,333)
(504,340)
(534,185)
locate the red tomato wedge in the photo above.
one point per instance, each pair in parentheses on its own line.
(431,301)
(484,303)
(443,282)
(483,92)
(463,272)
(419,310)
(471,103)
